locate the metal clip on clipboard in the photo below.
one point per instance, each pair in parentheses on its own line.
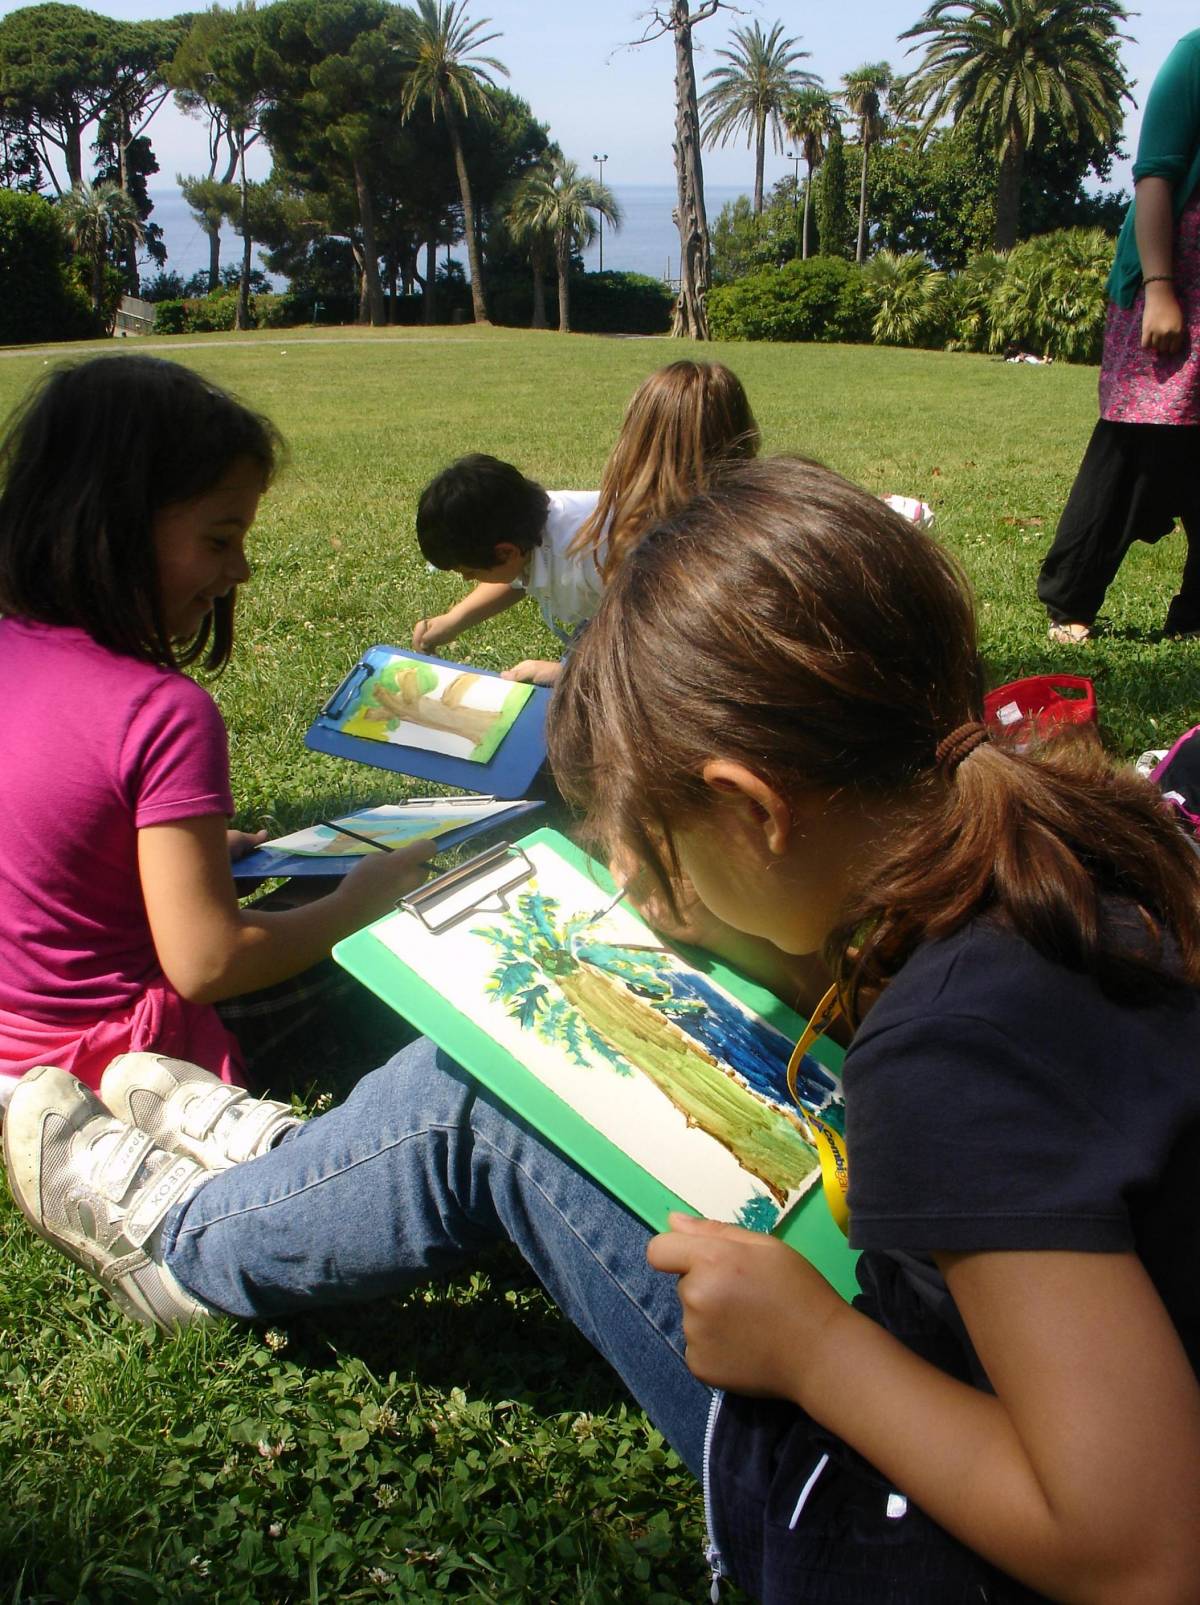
(480,886)
(348,690)
(473,799)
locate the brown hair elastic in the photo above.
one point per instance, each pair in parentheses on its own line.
(959,744)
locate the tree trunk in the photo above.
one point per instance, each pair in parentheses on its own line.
(760,156)
(214,257)
(73,151)
(538,320)
(429,292)
(807,200)
(1008,197)
(862,203)
(97,279)
(393,291)
(690,318)
(366,218)
(474,256)
(761,1136)
(564,285)
(242,320)
(363,315)
(132,284)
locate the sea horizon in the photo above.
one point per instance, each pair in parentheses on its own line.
(647,242)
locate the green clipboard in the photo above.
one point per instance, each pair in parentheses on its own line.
(808,1226)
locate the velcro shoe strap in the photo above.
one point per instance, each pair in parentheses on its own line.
(167,1188)
(115,1175)
(201,1114)
(250,1136)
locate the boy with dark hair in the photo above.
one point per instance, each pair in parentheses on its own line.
(482,518)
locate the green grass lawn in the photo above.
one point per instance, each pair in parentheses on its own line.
(462,1443)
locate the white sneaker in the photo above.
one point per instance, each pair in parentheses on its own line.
(192,1112)
(99,1190)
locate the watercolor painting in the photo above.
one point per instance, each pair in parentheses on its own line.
(659,1058)
(412,703)
(389,825)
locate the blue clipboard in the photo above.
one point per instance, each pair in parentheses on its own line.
(267,860)
(509,773)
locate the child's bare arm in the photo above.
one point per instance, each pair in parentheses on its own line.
(210,948)
(534,671)
(484,602)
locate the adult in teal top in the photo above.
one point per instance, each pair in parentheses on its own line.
(1139,472)
(1168,148)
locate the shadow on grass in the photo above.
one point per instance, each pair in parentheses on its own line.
(493,1333)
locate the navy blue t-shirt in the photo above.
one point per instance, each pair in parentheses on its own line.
(995,1100)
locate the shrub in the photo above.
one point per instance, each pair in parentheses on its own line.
(617,303)
(967,299)
(822,298)
(216,313)
(601,303)
(206,314)
(907,300)
(1052,298)
(171,317)
(37,299)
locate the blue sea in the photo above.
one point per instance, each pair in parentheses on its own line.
(647,241)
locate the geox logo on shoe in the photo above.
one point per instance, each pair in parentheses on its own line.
(157,1199)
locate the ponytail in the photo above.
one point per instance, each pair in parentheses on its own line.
(1077,856)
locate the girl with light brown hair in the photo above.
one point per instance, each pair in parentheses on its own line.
(684,422)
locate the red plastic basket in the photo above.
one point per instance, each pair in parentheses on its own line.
(1044,701)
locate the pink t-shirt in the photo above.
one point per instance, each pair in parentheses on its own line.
(96,746)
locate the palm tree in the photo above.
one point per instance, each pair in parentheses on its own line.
(864,88)
(1015,64)
(447,72)
(558,200)
(523,228)
(99,218)
(808,117)
(752,92)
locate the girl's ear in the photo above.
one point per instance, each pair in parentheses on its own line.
(504,552)
(767,808)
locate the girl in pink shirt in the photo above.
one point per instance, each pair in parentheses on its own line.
(129,488)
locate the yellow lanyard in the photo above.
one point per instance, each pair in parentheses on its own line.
(830,1144)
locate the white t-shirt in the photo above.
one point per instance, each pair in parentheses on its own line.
(566,589)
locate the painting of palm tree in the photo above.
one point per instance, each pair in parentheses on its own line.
(1014,65)
(751,92)
(633,1008)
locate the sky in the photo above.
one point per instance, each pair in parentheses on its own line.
(574,65)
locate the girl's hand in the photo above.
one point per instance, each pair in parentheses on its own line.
(381,879)
(1162,319)
(753,1309)
(534,671)
(243,842)
(433,632)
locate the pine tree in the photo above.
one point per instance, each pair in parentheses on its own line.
(835,220)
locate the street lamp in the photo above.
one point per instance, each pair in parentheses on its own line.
(600,161)
(795,161)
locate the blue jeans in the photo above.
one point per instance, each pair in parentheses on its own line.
(411,1177)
